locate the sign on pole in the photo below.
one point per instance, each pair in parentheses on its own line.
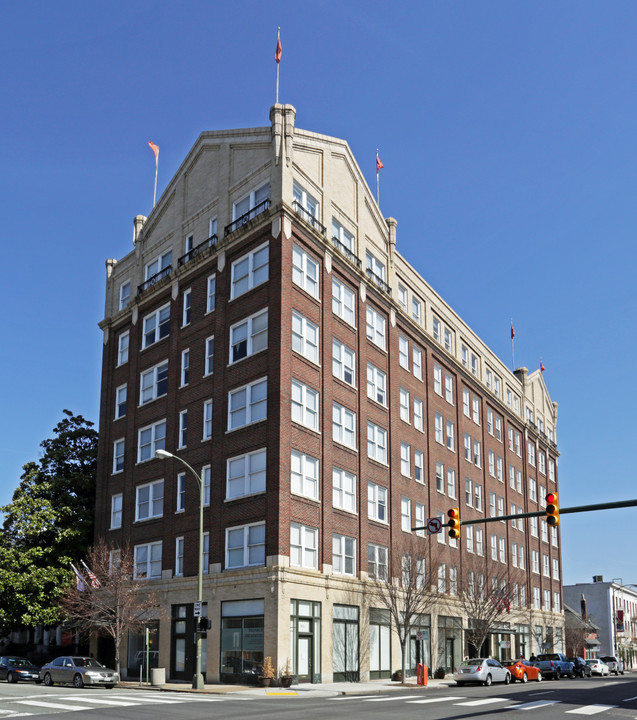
(434,525)
(197,610)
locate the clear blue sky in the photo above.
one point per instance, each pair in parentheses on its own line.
(508,134)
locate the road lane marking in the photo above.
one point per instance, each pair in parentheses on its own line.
(484,701)
(631,698)
(433,700)
(535,704)
(351,697)
(385,699)
(52,706)
(590,709)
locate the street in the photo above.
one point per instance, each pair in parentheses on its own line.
(608,698)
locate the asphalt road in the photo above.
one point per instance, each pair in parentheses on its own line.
(607,698)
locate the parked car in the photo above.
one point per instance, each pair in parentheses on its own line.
(580,667)
(598,667)
(523,671)
(78,671)
(14,668)
(614,664)
(481,670)
(553,665)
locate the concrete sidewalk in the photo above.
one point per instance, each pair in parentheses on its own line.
(372,687)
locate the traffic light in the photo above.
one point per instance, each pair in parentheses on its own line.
(454,523)
(203,624)
(552,510)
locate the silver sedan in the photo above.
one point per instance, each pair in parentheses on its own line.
(598,667)
(481,670)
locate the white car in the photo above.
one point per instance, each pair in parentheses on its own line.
(481,670)
(598,667)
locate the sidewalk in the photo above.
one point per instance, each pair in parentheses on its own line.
(372,687)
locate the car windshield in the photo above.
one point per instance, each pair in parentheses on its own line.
(591,662)
(18,661)
(86,662)
(550,656)
(474,662)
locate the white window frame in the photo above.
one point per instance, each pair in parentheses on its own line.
(255,275)
(180,503)
(251,334)
(123,345)
(377,503)
(403,352)
(158,264)
(305,271)
(152,382)
(117,510)
(124,294)
(405,514)
(344,490)
(186,308)
(160,321)
(376,384)
(305,337)
(157,440)
(184,375)
(344,302)
(249,478)
(154,502)
(404,405)
(419,414)
(121,397)
(179,556)
(303,546)
(209,363)
(304,405)
(405,459)
(152,563)
(119,450)
(343,555)
(343,362)
(376,327)
(376,443)
(304,472)
(251,541)
(343,425)
(377,561)
(182,441)
(254,411)
(207,420)
(416,362)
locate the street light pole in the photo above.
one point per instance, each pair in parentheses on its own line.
(197,680)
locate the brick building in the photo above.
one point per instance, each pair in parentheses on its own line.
(266,330)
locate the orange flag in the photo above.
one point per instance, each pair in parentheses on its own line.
(154,148)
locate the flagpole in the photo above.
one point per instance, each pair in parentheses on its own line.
(278,43)
(377,181)
(156,169)
(512,347)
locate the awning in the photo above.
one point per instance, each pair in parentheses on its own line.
(592,642)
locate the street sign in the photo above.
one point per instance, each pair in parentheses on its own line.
(197,610)
(434,525)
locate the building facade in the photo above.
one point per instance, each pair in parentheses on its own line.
(266,330)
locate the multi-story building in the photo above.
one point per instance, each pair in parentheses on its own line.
(612,606)
(266,330)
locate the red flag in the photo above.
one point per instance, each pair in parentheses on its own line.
(512,331)
(277,54)
(154,148)
(541,366)
(379,163)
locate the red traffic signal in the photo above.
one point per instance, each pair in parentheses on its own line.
(454,523)
(552,509)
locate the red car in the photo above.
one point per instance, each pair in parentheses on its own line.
(523,672)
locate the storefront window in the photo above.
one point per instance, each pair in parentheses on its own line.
(241,640)
(345,643)
(305,640)
(379,644)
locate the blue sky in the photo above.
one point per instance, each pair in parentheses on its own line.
(507,131)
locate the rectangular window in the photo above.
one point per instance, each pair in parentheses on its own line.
(150,439)
(480,542)
(405,514)
(306,205)
(491,463)
(343,302)
(531,458)
(468,492)
(159,264)
(477,453)
(419,415)
(304,475)
(532,490)
(186,308)
(419,466)
(179,556)
(376,328)
(377,562)
(405,459)
(494,548)
(245,474)
(148,560)
(552,470)
(305,271)
(120,402)
(343,555)
(149,502)
(449,389)
(210,355)
(305,337)
(118,456)
(344,426)
(556,569)
(402,297)
(249,271)
(470,538)
(344,490)
(343,362)
(123,341)
(376,443)
(416,362)
(207,420)
(153,383)
(124,294)
(439,428)
(303,546)
(247,404)
(249,336)
(305,403)
(404,405)
(156,326)
(403,352)
(468,456)
(185,367)
(440,478)
(416,310)
(181,492)
(116,511)
(448,340)
(183,429)
(376,384)
(502,551)
(451,483)
(374,267)
(451,436)
(438,380)
(251,204)
(466,402)
(478,497)
(344,237)
(245,546)
(476,410)
(377,502)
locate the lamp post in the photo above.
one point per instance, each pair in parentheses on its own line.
(197,680)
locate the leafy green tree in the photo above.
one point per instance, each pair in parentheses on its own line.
(48,523)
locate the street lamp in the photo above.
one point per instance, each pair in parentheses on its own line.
(197,680)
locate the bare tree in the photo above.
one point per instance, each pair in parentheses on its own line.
(484,598)
(409,596)
(107,598)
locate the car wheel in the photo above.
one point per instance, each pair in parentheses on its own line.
(571,675)
(11,678)
(459,684)
(109,687)
(616,673)
(525,678)
(48,680)
(507,679)
(488,681)
(78,681)
(539,677)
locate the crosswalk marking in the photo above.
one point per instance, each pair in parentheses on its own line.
(590,709)
(385,699)
(433,700)
(535,704)
(484,701)
(52,706)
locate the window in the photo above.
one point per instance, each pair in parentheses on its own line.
(250,202)
(305,405)
(480,542)
(377,562)
(416,309)
(402,297)
(468,456)
(546,566)
(403,352)
(376,384)
(541,458)
(419,519)
(160,263)
(124,294)
(404,405)
(466,402)
(376,443)
(419,466)
(344,490)
(490,421)
(535,561)
(470,538)
(478,497)
(148,560)
(375,268)
(344,237)
(303,546)
(181,492)
(405,459)
(416,362)
(153,383)
(453,580)
(344,426)
(477,453)
(305,337)
(556,569)
(438,428)
(376,327)
(116,511)
(343,302)
(502,552)
(405,514)
(343,555)
(451,483)
(185,367)
(448,340)
(249,336)
(476,410)
(451,436)
(534,523)
(494,548)
(149,502)
(207,420)
(377,502)
(532,490)
(150,439)
(440,478)
(305,271)
(442,578)
(245,545)
(247,404)
(468,492)
(438,380)
(120,402)
(118,456)
(491,463)
(531,454)
(246,474)
(186,308)
(552,470)
(436,328)
(249,271)
(449,388)
(179,556)
(306,202)
(156,325)
(183,429)
(343,362)
(498,428)
(419,415)
(122,347)
(304,475)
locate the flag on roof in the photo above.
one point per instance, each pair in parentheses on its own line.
(154,148)
(277,54)
(379,162)
(541,366)
(512,331)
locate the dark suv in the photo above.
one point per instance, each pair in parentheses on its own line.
(580,667)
